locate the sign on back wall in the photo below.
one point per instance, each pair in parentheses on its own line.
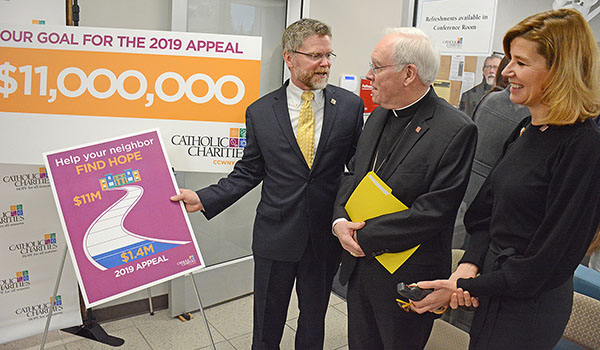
(459,27)
(58,85)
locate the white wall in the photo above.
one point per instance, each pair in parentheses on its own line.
(507,17)
(357,26)
(511,12)
(132,14)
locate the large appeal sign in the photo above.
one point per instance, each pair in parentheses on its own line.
(123,232)
(463,27)
(56,83)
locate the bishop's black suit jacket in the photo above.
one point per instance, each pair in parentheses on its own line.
(428,171)
(296,202)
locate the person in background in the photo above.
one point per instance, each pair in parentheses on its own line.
(500,83)
(471,97)
(536,214)
(299,139)
(422,148)
(496,117)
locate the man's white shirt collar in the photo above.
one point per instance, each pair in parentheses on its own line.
(295,94)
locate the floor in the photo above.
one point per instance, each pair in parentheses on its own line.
(231,328)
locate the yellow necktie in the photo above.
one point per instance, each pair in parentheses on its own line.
(306,128)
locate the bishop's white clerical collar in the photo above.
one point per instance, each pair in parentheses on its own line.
(410,105)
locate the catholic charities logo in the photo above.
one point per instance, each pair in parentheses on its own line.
(15,215)
(36,311)
(226,147)
(38,247)
(28,180)
(189,261)
(453,44)
(237,137)
(20,281)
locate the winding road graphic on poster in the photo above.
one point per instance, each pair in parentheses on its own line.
(109,244)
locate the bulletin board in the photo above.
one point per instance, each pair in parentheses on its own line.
(455,86)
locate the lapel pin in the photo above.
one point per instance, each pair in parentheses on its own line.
(333,101)
(418,129)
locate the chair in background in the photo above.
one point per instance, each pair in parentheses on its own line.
(457,254)
(587,282)
(446,336)
(460,318)
(584,325)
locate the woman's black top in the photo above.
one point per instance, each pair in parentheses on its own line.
(543,200)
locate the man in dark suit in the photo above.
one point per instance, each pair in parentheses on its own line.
(422,148)
(300,164)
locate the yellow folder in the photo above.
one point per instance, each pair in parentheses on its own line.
(372,198)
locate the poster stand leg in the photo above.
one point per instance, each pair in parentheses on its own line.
(90,328)
(212,341)
(59,275)
(150,301)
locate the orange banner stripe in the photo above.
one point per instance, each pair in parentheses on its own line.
(97,66)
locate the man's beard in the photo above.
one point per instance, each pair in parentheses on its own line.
(313,80)
(490,79)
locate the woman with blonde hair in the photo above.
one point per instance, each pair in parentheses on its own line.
(539,209)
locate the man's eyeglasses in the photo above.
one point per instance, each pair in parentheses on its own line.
(490,67)
(375,68)
(330,56)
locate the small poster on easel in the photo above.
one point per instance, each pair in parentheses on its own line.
(123,232)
